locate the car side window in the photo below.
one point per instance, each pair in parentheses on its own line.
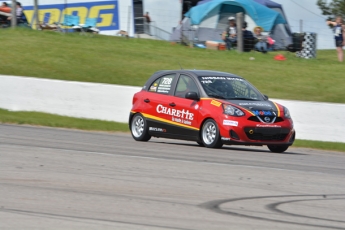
(185,84)
(163,84)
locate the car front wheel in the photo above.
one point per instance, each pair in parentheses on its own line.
(139,128)
(210,134)
(277,148)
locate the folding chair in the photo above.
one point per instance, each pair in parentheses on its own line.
(69,21)
(89,26)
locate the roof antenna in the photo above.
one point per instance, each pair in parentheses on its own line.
(180,65)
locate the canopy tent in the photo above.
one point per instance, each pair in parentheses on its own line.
(269,3)
(211,18)
(262,15)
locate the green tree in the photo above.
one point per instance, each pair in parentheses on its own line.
(332,8)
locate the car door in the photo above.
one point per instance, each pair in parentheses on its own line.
(156,99)
(184,114)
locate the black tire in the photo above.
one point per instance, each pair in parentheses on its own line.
(139,128)
(210,134)
(200,143)
(278,148)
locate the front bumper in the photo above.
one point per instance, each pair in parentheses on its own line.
(258,133)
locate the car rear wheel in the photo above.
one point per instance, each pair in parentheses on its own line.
(277,148)
(210,134)
(139,128)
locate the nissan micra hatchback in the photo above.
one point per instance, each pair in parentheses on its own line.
(211,108)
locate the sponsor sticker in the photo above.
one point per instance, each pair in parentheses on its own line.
(230,123)
(262,112)
(215,103)
(268,126)
(176,113)
(155,129)
(153,89)
(225,138)
(255,104)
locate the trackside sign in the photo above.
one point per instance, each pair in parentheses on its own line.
(106,12)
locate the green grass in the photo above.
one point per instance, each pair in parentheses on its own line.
(117,60)
(335,146)
(50,120)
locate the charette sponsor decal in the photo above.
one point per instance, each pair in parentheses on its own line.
(180,116)
(230,123)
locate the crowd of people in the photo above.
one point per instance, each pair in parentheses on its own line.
(5,14)
(261,42)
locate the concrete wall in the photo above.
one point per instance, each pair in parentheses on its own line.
(313,120)
(75,99)
(164,14)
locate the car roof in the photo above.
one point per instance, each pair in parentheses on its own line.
(202,73)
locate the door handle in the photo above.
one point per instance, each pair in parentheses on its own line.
(172,104)
(147,100)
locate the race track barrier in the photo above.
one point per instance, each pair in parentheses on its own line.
(313,120)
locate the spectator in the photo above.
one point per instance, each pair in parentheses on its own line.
(339,36)
(147,23)
(246,33)
(4,12)
(19,13)
(5,8)
(261,44)
(230,34)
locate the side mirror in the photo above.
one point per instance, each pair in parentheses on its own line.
(266,97)
(193,96)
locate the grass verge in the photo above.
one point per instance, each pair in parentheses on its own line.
(50,120)
(116,60)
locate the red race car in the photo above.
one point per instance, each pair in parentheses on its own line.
(209,107)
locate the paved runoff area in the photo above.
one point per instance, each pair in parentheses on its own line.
(67,179)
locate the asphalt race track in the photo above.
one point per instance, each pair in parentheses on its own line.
(67,179)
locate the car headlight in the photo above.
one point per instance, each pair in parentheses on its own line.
(287,113)
(232,111)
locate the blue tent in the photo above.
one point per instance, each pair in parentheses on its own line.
(269,3)
(262,15)
(203,1)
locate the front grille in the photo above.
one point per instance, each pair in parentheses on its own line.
(266,134)
(256,119)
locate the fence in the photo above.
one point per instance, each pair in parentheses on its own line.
(142,27)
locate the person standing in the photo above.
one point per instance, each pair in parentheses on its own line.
(147,23)
(230,34)
(339,36)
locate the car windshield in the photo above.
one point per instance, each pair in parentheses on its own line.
(229,88)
